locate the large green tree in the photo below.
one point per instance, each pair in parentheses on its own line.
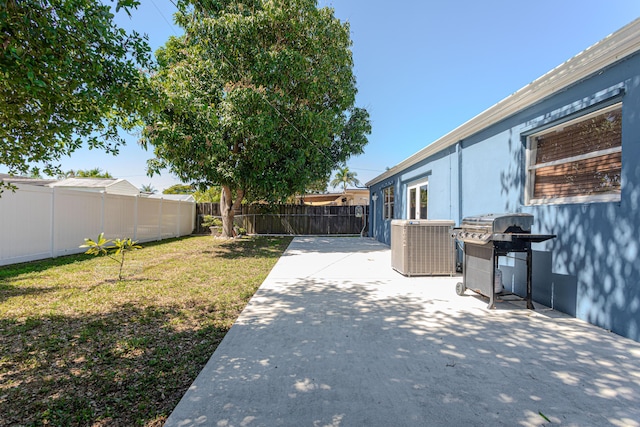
(68,75)
(259,99)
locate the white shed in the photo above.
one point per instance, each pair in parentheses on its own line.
(97,185)
(24,180)
(174,197)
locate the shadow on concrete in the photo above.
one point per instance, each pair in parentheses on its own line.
(409,352)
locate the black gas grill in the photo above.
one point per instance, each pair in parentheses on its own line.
(488,237)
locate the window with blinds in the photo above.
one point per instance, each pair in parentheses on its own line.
(576,162)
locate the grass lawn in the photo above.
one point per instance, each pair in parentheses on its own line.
(78,348)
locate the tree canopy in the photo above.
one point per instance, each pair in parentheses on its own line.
(205,195)
(68,75)
(259,98)
(317,187)
(85,173)
(179,189)
(209,195)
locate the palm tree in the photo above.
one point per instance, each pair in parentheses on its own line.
(93,173)
(68,174)
(344,177)
(148,189)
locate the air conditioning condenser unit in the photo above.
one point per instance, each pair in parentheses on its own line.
(423,247)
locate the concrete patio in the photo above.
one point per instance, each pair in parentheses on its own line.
(335,337)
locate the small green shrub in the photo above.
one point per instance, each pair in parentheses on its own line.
(211,221)
(115,252)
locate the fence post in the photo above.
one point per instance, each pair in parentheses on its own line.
(160,221)
(53,222)
(102,211)
(135,218)
(178,222)
(194,213)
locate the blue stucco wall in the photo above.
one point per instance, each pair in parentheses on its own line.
(591,270)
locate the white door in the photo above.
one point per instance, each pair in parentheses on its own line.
(418,201)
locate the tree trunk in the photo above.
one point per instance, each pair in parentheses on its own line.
(227,210)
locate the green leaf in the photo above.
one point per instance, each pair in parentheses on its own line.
(119,248)
(544,416)
(92,80)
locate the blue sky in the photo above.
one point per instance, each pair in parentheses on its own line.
(423,67)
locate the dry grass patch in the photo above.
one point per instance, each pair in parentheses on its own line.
(79,348)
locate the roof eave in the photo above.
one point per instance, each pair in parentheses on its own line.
(612,49)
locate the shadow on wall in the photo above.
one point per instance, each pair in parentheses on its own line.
(552,289)
(558,291)
(339,352)
(598,244)
(591,269)
(386,233)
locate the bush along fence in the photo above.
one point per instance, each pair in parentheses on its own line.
(291,219)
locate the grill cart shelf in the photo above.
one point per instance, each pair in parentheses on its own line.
(488,237)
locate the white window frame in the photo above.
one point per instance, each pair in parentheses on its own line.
(416,186)
(388,207)
(531,166)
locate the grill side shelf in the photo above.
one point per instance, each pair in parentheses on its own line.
(526,237)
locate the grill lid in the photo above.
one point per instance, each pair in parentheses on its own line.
(484,228)
(498,223)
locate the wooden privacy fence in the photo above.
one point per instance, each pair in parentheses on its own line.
(292,219)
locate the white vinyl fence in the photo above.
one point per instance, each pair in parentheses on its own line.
(42,222)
